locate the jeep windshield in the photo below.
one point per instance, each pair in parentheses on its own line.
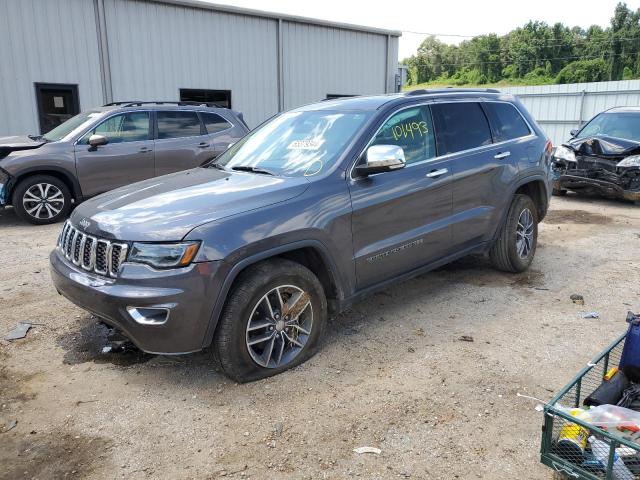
(619,124)
(294,144)
(79,121)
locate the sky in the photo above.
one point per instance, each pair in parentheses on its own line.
(443,17)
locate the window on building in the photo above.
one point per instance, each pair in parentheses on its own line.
(460,126)
(410,129)
(332,96)
(214,122)
(177,124)
(507,121)
(221,98)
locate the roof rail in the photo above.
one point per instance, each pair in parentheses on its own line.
(426,91)
(138,103)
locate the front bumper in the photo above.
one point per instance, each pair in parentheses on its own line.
(187,293)
(567,181)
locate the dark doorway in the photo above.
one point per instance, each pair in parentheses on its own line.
(57,103)
(222,98)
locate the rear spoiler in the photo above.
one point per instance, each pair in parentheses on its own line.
(241,118)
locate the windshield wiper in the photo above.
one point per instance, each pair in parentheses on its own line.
(36,137)
(249,168)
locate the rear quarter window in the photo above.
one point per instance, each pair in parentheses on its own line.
(507,121)
(460,126)
(214,122)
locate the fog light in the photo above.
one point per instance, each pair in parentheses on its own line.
(149,315)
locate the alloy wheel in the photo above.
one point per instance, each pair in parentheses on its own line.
(279,326)
(524,233)
(43,201)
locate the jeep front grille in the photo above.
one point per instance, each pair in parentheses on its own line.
(91,253)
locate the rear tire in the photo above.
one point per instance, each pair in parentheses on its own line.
(515,246)
(41,199)
(262,305)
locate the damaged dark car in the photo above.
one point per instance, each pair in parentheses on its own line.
(602,158)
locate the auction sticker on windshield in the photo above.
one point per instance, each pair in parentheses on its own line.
(310,144)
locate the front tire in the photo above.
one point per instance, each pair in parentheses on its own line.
(273,320)
(41,199)
(515,247)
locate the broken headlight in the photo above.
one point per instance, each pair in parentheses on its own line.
(632,161)
(564,153)
(164,255)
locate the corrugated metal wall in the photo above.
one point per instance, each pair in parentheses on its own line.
(45,41)
(156,49)
(153,49)
(560,108)
(357,61)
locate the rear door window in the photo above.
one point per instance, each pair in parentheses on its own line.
(214,123)
(178,124)
(460,126)
(412,130)
(507,122)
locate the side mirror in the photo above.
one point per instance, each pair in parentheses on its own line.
(97,140)
(382,158)
(574,132)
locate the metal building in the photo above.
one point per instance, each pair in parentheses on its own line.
(62,56)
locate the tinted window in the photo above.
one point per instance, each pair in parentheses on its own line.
(410,129)
(127,127)
(178,124)
(460,126)
(214,123)
(507,121)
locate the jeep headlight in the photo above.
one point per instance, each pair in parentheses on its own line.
(632,161)
(164,255)
(564,153)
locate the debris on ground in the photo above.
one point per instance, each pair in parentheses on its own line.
(10,425)
(20,331)
(590,314)
(577,299)
(373,450)
(466,338)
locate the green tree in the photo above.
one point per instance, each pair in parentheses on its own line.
(584,71)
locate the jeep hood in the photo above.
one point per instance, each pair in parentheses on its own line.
(167,208)
(12,144)
(603,145)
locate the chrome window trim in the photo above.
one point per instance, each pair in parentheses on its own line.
(531,135)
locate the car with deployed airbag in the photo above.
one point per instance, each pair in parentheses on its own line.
(602,157)
(320,206)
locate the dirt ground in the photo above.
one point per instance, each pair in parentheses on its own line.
(392,374)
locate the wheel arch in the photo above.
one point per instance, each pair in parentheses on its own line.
(312,254)
(536,189)
(61,174)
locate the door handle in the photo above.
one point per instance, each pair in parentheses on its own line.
(145,149)
(500,155)
(437,173)
(203,145)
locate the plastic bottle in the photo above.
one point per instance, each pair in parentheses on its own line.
(600,450)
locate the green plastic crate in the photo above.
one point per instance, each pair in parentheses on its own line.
(573,466)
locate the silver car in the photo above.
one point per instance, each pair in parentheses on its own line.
(107,147)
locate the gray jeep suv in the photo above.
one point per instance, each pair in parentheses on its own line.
(108,147)
(307,214)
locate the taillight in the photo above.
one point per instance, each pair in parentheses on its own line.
(548,147)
